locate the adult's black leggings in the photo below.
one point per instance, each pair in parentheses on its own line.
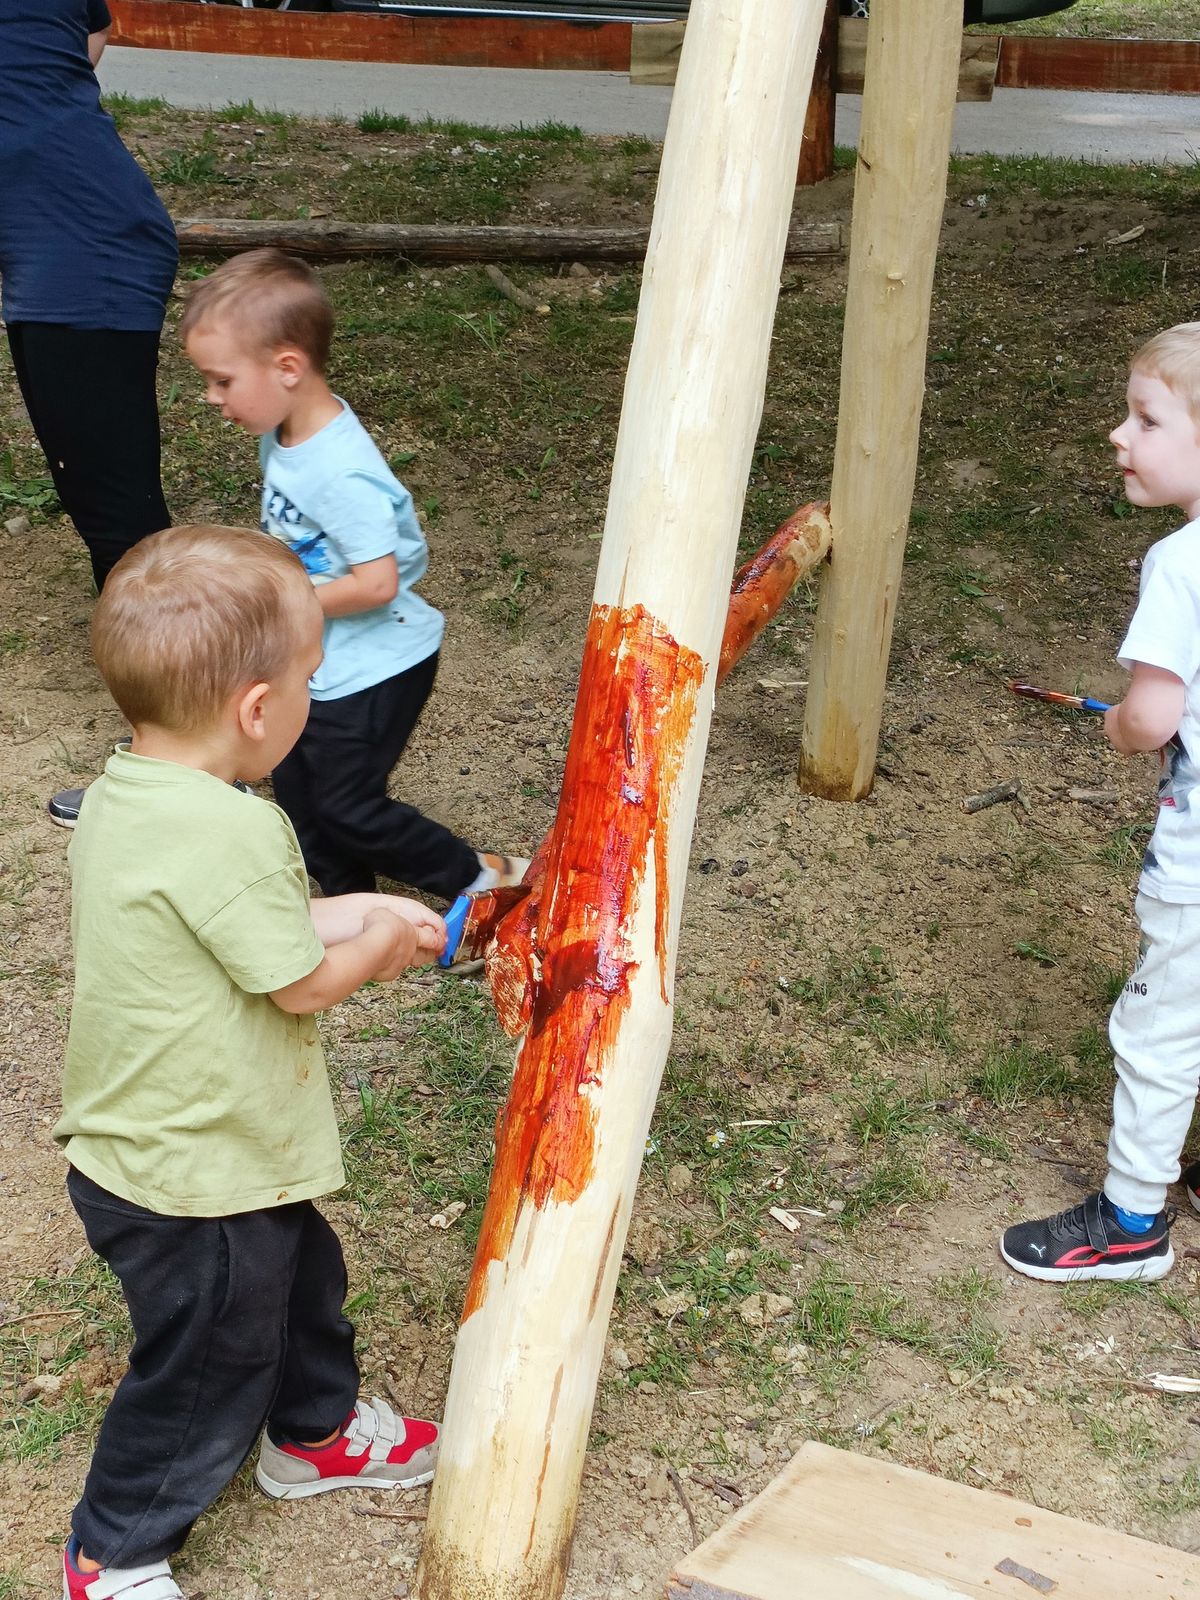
(90,394)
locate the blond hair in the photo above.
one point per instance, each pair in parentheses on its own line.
(269,299)
(190,615)
(1174,357)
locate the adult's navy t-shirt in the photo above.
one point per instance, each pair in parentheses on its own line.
(84,239)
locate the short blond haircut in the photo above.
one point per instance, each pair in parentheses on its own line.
(189,616)
(1174,357)
(269,300)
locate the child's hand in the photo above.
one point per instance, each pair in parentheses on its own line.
(405,946)
(431,930)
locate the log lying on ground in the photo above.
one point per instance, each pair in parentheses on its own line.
(440,245)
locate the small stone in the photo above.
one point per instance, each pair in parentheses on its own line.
(620,1359)
(647,1387)
(679,1180)
(578,270)
(756,1456)
(18,525)
(776,1306)
(751,1311)
(636,1584)
(673,1305)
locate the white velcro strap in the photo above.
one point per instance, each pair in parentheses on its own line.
(388,1428)
(153,1582)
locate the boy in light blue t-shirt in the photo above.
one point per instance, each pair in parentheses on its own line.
(259,330)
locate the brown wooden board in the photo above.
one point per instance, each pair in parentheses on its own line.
(655,47)
(837,1526)
(1118,66)
(355,36)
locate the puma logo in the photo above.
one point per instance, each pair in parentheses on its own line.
(1040,1248)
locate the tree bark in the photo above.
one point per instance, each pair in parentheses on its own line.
(571,1137)
(900,189)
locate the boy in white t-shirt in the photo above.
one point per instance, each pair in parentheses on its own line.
(259,330)
(1124,1230)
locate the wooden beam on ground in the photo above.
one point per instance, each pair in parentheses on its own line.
(836,1524)
(1115,66)
(436,244)
(424,40)
(571,1137)
(899,196)
(654,55)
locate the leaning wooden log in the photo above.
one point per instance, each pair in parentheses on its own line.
(441,245)
(570,1139)
(899,195)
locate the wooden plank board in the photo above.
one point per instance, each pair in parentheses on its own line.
(836,1526)
(1117,66)
(356,36)
(654,57)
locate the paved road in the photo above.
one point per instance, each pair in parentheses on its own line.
(1097,127)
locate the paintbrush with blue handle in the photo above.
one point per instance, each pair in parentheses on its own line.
(1078,702)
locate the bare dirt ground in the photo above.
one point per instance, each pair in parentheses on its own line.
(889,1014)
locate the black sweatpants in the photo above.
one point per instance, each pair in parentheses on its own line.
(237,1324)
(91,398)
(333,786)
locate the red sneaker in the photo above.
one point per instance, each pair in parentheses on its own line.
(152,1582)
(376,1449)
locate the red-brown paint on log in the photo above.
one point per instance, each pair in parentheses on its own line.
(1115,66)
(636,702)
(764,583)
(358,36)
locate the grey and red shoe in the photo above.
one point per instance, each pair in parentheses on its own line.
(150,1582)
(376,1449)
(1087,1241)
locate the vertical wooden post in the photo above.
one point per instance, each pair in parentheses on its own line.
(571,1137)
(816,150)
(900,190)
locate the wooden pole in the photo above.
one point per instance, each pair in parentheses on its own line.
(570,1139)
(816,150)
(900,190)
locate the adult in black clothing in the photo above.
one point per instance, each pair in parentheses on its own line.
(87,260)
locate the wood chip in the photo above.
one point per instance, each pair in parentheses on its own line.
(785,1219)
(1035,1580)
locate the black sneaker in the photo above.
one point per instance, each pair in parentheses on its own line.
(1190,1179)
(1088,1242)
(64,807)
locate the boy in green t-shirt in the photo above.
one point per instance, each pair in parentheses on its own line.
(197,1114)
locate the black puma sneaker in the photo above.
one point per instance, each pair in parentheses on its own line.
(1088,1242)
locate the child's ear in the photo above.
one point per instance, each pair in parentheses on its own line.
(248,708)
(291,365)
